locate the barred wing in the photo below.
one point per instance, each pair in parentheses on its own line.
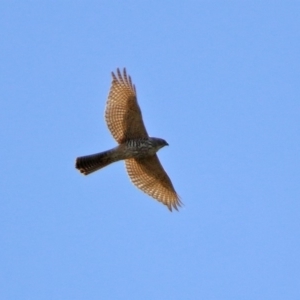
(123,115)
(148,175)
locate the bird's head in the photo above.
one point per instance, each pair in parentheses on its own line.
(159,143)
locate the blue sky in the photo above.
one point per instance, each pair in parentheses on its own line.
(219,80)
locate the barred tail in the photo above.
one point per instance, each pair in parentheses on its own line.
(91,163)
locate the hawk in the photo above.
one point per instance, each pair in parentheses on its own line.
(124,120)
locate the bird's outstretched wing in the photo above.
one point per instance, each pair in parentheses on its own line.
(148,175)
(123,115)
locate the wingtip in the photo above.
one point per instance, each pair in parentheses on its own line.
(114,76)
(176,205)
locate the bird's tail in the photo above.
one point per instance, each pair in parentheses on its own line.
(91,163)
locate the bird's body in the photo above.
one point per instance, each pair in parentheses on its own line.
(135,148)
(124,119)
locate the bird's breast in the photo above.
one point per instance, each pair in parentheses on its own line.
(139,148)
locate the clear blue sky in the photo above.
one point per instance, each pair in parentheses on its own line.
(220,81)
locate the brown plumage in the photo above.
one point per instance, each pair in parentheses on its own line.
(124,120)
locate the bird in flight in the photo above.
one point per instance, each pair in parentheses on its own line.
(124,120)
